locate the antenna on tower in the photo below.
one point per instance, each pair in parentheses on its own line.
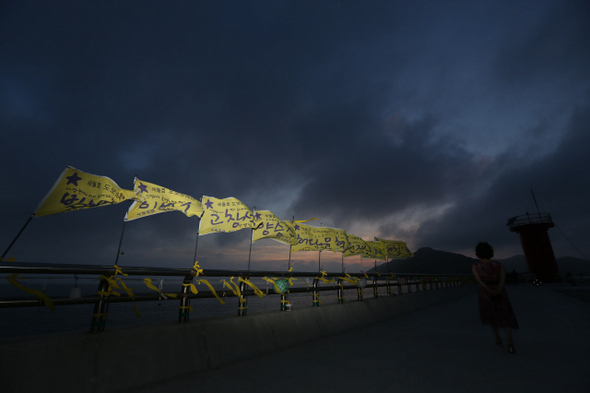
(535,200)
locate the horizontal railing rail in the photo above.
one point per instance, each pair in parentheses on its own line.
(112,277)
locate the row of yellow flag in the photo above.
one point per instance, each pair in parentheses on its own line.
(76,190)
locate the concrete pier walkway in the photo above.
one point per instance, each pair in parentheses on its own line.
(443,348)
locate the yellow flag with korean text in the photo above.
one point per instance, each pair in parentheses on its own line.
(396,248)
(340,239)
(225,215)
(273,228)
(154,199)
(357,246)
(77,190)
(318,239)
(379,250)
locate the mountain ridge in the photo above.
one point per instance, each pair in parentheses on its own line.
(427,260)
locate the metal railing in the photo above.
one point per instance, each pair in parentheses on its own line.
(111,276)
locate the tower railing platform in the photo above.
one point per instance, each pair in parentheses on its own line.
(516,222)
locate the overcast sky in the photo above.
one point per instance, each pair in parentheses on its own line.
(423,121)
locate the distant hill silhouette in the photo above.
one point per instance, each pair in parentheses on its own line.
(427,260)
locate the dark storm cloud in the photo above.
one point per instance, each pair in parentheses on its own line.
(386,169)
(558,181)
(422,121)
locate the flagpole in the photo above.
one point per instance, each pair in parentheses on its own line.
(320,255)
(251,239)
(120,242)
(289,264)
(197,241)
(17,236)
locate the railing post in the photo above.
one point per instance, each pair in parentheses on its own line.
(340,291)
(375,288)
(388,286)
(185,301)
(409,282)
(399,285)
(316,295)
(359,293)
(417,285)
(243,301)
(101,308)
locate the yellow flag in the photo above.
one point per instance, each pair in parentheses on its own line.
(357,246)
(317,239)
(154,199)
(379,250)
(273,228)
(77,190)
(225,215)
(340,239)
(396,248)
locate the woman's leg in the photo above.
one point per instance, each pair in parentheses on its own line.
(509,338)
(497,334)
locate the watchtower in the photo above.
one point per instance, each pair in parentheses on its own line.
(532,229)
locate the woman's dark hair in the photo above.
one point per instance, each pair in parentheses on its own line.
(484,251)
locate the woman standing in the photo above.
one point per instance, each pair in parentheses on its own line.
(494,307)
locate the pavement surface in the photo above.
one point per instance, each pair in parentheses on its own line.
(442,348)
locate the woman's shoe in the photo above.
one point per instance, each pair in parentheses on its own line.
(499,343)
(511,348)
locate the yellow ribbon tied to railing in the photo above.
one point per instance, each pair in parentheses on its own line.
(148,283)
(325,280)
(202,280)
(119,271)
(197,268)
(231,284)
(257,291)
(317,298)
(193,289)
(112,285)
(43,297)
(129,293)
(349,279)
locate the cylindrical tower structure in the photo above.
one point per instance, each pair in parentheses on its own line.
(532,229)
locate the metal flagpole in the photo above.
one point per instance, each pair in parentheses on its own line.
(17,236)
(198,229)
(320,255)
(120,242)
(289,264)
(197,241)
(251,239)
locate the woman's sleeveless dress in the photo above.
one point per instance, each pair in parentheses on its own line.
(499,311)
